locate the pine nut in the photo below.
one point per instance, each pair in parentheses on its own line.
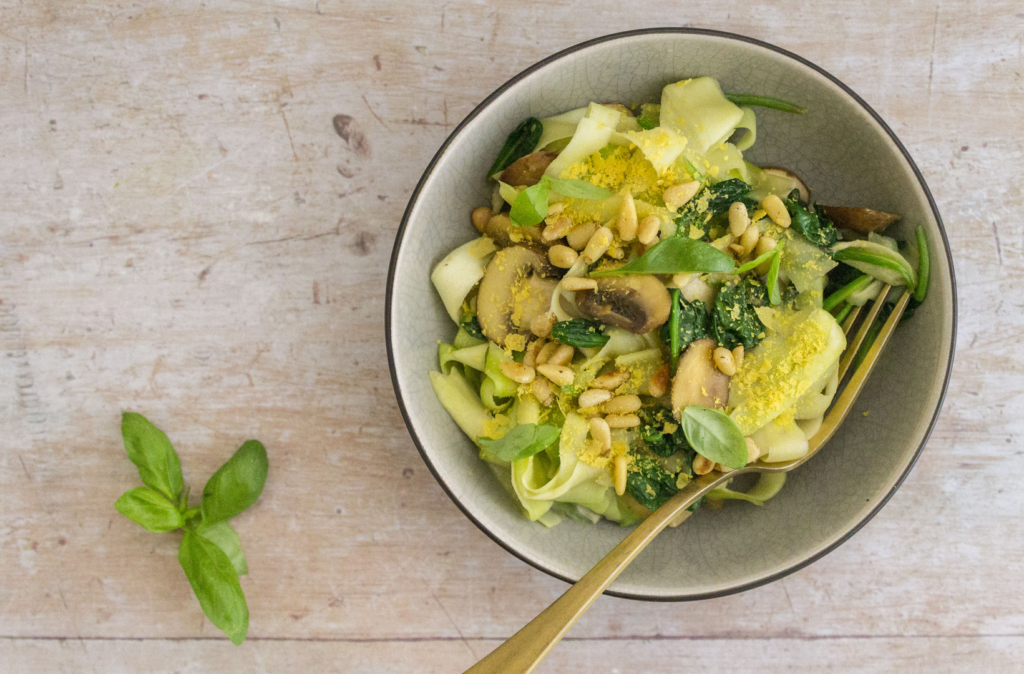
(627,224)
(738,218)
(598,245)
(555,209)
(737,250)
(737,356)
(593,397)
(749,238)
(530,356)
(541,324)
(702,465)
(612,380)
(546,352)
(616,252)
(579,237)
(764,244)
(558,374)
(776,210)
(620,475)
(541,388)
(562,355)
(622,420)
(599,431)
(481,216)
(658,386)
(722,468)
(626,404)
(677,195)
(682,280)
(517,372)
(724,361)
(753,451)
(574,283)
(648,230)
(556,229)
(562,257)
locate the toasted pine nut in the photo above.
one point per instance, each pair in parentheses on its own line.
(545,353)
(620,475)
(555,209)
(724,361)
(677,195)
(517,372)
(599,431)
(481,216)
(682,280)
(658,386)
(622,420)
(764,244)
(737,250)
(598,245)
(627,218)
(616,252)
(722,468)
(579,237)
(530,356)
(574,283)
(626,404)
(753,451)
(593,397)
(776,210)
(562,256)
(540,324)
(541,388)
(612,380)
(738,218)
(648,230)
(702,465)
(556,229)
(558,374)
(737,356)
(562,355)
(749,238)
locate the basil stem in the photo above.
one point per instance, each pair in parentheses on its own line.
(923,265)
(772,281)
(673,328)
(766,102)
(519,143)
(758,261)
(838,297)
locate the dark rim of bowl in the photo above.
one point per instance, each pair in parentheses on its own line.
(502,89)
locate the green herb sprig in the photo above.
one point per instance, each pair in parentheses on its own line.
(675,255)
(210,553)
(714,435)
(531,206)
(521,442)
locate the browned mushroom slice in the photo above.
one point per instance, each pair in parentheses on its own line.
(501,229)
(801,186)
(634,303)
(527,170)
(517,286)
(863,220)
(697,380)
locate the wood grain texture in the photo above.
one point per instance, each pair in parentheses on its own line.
(184,232)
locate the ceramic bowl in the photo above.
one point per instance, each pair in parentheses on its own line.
(847,155)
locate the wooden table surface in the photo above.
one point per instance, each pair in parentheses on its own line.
(183,233)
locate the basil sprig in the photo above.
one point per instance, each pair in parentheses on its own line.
(772,279)
(521,442)
(531,206)
(519,143)
(210,553)
(675,255)
(714,435)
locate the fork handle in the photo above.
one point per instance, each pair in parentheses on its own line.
(526,648)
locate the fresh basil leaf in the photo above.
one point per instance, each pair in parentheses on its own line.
(150,509)
(714,435)
(675,255)
(519,143)
(224,536)
(578,189)
(237,484)
(154,456)
(521,442)
(215,583)
(580,332)
(531,206)
(772,280)
(766,102)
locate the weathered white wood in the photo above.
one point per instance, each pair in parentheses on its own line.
(183,233)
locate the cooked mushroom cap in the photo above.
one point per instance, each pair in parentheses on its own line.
(863,220)
(697,380)
(501,229)
(527,170)
(517,286)
(635,303)
(805,193)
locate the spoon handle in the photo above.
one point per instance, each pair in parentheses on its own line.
(526,648)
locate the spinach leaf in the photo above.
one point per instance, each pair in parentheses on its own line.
(150,509)
(693,324)
(733,319)
(580,332)
(815,227)
(215,583)
(714,435)
(472,327)
(649,484)
(224,536)
(519,143)
(237,484)
(766,102)
(655,424)
(154,456)
(711,201)
(521,442)
(675,255)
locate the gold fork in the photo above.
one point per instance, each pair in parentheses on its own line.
(526,648)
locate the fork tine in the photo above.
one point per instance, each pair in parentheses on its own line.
(854,346)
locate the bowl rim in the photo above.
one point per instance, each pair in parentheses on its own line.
(400,235)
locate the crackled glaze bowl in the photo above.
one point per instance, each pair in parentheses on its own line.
(846,154)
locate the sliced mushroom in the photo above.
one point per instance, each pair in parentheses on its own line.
(501,229)
(697,380)
(801,186)
(527,170)
(863,220)
(634,303)
(517,286)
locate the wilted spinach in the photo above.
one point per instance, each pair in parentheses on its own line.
(649,484)
(653,422)
(733,319)
(815,227)
(714,200)
(693,323)
(519,143)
